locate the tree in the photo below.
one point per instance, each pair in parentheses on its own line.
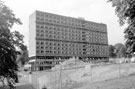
(120,50)
(18,40)
(112,51)
(24,54)
(125,11)
(8,42)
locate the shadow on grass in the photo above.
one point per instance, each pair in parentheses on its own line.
(24,86)
(74,86)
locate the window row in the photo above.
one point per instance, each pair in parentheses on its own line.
(72,38)
(51,27)
(57,44)
(64,44)
(57,28)
(68,21)
(58,52)
(73,35)
(58,48)
(51,52)
(59,33)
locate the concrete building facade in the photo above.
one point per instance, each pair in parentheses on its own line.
(54,36)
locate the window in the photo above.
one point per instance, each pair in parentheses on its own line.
(37,42)
(54,28)
(54,44)
(47,51)
(58,21)
(42,35)
(54,47)
(50,43)
(54,52)
(54,36)
(58,52)
(37,34)
(46,15)
(50,31)
(38,30)
(42,51)
(50,36)
(42,47)
(42,30)
(50,20)
(58,33)
(37,18)
(50,47)
(50,51)
(58,29)
(42,42)
(46,35)
(65,44)
(46,27)
(46,31)
(46,47)
(37,26)
(37,51)
(37,47)
(50,28)
(42,27)
(58,44)
(62,52)
(42,19)
(42,14)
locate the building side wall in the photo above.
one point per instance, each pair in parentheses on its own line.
(32,35)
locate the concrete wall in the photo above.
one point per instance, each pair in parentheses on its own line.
(32,34)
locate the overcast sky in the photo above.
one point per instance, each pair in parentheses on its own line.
(92,10)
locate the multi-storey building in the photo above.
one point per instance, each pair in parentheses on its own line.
(54,36)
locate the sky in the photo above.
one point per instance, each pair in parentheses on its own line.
(93,10)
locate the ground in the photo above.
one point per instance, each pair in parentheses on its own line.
(118,83)
(77,78)
(109,76)
(20,86)
(127,82)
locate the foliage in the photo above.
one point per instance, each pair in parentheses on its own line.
(8,42)
(112,51)
(18,41)
(125,11)
(120,50)
(24,54)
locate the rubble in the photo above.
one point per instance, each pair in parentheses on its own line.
(71,63)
